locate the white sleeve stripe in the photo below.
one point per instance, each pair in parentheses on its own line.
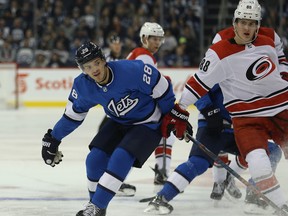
(160,88)
(72,114)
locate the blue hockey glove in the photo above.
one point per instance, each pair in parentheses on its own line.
(50,153)
(214,120)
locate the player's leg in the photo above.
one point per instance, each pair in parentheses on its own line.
(222,179)
(253,204)
(219,176)
(125,189)
(136,144)
(257,158)
(181,177)
(163,155)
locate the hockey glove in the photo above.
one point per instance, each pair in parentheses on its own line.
(176,120)
(50,153)
(189,130)
(214,120)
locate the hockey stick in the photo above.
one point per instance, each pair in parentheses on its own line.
(279,211)
(146,199)
(163,170)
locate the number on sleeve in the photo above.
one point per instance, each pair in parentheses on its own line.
(147,74)
(204,65)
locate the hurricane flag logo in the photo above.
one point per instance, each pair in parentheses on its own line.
(260,69)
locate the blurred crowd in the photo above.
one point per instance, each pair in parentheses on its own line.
(47,33)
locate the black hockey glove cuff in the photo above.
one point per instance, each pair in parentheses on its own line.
(214,119)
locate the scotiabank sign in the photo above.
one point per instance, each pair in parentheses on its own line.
(51,87)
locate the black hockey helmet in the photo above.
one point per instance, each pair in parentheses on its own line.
(114,39)
(87,52)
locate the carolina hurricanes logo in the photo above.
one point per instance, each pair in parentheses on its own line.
(260,69)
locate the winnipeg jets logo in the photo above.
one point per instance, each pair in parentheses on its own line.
(123,106)
(260,69)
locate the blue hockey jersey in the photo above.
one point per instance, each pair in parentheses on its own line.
(136,94)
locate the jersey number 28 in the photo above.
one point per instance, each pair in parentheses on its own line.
(147,74)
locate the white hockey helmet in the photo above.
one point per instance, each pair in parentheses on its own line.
(248,9)
(151,29)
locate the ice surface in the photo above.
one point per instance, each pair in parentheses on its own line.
(28,187)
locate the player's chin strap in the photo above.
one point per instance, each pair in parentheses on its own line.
(278,212)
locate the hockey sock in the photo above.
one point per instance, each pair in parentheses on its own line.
(118,168)
(219,173)
(183,175)
(96,163)
(275,155)
(263,175)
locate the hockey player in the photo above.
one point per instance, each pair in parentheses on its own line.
(216,131)
(247,71)
(152,37)
(115,47)
(220,173)
(130,135)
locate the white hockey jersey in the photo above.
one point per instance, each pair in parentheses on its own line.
(247,74)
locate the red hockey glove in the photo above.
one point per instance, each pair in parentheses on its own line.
(284,75)
(176,121)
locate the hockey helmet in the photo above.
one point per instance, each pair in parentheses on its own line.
(248,9)
(87,52)
(114,39)
(151,29)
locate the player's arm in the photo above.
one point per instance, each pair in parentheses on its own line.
(70,120)
(211,112)
(197,86)
(153,83)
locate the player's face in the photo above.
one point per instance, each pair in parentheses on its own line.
(116,47)
(246,29)
(154,43)
(97,70)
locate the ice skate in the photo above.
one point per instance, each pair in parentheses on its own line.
(126,190)
(231,187)
(255,205)
(217,191)
(160,176)
(91,210)
(159,206)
